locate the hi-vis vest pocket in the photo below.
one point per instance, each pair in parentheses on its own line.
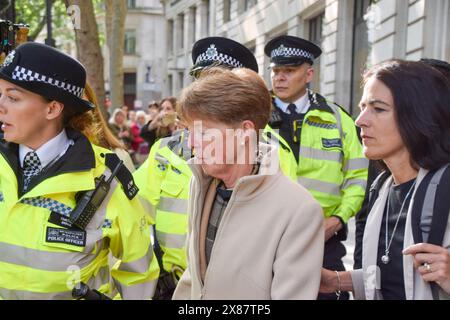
(171,188)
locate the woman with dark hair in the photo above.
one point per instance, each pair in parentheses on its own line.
(375,170)
(167,120)
(163,124)
(404,123)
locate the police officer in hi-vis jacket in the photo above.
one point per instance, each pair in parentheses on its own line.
(323,138)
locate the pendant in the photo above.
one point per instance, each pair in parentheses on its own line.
(385,259)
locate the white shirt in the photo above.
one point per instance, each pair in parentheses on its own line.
(50,151)
(302,105)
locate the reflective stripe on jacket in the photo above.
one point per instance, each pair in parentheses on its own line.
(163,180)
(40,258)
(331,163)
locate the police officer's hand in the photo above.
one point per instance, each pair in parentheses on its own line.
(331,226)
(433,263)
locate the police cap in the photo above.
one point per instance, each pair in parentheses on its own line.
(223,52)
(289,50)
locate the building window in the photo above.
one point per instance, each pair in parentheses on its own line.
(193,22)
(315,36)
(226,11)
(170,35)
(130,42)
(129,88)
(170,84)
(249,3)
(181,35)
(360,52)
(131,4)
(315,29)
(244,5)
(129,81)
(180,80)
(208,16)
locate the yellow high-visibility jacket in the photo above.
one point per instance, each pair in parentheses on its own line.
(163,181)
(331,164)
(287,162)
(43,258)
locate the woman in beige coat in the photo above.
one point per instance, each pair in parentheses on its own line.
(404,122)
(253,233)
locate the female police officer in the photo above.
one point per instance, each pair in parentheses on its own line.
(46,167)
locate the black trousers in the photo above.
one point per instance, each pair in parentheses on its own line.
(334,251)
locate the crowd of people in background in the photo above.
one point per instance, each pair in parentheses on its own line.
(138,130)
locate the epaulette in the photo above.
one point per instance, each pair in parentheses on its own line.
(124,175)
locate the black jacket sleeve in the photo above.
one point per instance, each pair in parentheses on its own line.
(148,135)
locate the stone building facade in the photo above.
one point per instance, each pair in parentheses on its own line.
(353,34)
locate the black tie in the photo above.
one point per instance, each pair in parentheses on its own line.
(292,109)
(31,167)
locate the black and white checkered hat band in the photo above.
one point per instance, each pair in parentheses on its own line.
(291,52)
(220,57)
(23,74)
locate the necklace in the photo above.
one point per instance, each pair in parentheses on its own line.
(385,258)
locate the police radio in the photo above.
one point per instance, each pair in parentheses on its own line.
(88,202)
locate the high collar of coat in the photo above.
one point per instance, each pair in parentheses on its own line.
(247,187)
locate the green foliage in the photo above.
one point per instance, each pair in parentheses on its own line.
(33,13)
(99,8)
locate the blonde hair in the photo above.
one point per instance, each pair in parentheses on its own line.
(93,125)
(227,96)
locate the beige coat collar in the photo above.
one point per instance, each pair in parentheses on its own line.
(249,186)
